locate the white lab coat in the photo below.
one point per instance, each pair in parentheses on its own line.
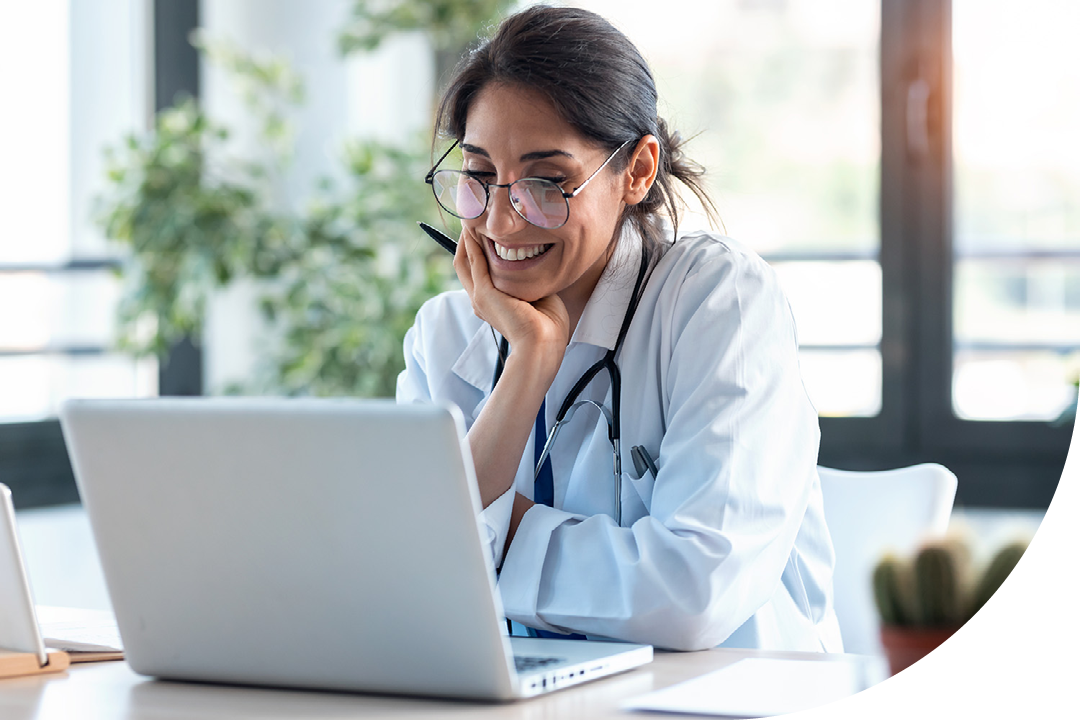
(728,544)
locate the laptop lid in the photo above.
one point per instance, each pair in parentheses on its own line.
(328,544)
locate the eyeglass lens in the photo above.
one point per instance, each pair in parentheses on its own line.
(539,201)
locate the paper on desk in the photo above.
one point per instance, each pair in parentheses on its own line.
(79,631)
(757,687)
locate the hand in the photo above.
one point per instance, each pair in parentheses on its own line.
(541,326)
(538,333)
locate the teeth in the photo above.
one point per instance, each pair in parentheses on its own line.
(519,253)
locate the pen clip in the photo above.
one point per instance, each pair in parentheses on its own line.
(643,462)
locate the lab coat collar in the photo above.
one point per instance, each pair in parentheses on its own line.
(476,365)
(603,314)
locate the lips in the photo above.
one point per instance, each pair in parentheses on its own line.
(523,252)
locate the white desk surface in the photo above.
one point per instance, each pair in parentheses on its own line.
(111,690)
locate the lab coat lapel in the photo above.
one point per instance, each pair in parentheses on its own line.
(476,366)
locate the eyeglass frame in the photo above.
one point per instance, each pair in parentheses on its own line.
(429,179)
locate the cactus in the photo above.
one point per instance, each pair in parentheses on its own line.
(933,589)
(1002,600)
(938,587)
(887,590)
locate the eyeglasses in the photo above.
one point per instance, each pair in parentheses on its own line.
(538,200)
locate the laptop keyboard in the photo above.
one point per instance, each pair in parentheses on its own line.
(524,663)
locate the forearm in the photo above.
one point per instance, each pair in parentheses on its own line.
(522,505)
(501,432)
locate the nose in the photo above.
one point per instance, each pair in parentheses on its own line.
(501,219)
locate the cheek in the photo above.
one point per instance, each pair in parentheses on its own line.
(604,207)
(582,249)
(594,228)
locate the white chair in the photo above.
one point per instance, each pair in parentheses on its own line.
(869,513)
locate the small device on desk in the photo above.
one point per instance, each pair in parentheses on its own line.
(326,544)
(22,649)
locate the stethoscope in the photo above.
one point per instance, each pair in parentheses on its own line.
(571,404)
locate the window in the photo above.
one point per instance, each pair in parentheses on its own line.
(909,167)
(782,102)
(76,76)
(930,180)
(1017,209)
(54,268)
(827,128)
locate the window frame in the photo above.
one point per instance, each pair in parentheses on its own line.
(34,462)
(998,464)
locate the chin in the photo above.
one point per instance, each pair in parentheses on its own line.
(525,294)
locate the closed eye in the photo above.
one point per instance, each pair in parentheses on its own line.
(479,174)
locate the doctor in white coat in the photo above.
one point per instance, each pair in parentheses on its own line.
(644,447)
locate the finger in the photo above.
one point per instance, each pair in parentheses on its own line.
(461,263)
(481,273)
(488,301)
(483,293)
(476,278)
(553,307)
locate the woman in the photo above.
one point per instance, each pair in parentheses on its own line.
(712,530)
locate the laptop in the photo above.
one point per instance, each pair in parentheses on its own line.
(325,544)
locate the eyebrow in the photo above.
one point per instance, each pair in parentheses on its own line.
(527,157)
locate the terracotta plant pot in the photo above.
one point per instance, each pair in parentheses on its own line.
(959,674)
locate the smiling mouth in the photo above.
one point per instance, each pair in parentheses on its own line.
(520,253)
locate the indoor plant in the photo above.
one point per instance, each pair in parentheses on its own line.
(340,280)
(959,642)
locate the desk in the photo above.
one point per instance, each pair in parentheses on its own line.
(111,690)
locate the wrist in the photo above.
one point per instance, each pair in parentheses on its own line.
(534,364)
(522,505)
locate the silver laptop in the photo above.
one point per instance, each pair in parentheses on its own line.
(308,543)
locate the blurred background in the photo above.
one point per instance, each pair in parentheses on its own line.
(220,196)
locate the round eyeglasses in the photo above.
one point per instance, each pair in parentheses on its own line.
(538,200)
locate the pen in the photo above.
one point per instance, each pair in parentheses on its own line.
(643,461)
(439,237)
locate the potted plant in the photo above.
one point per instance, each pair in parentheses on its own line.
(959,644)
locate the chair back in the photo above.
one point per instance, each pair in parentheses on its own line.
(868,514)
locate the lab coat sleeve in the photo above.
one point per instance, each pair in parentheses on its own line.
(415,383)
(495,524)
(735,470)
(412,382)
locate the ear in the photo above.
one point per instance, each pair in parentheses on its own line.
(642,169)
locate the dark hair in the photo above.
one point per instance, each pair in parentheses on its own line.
(597,81)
